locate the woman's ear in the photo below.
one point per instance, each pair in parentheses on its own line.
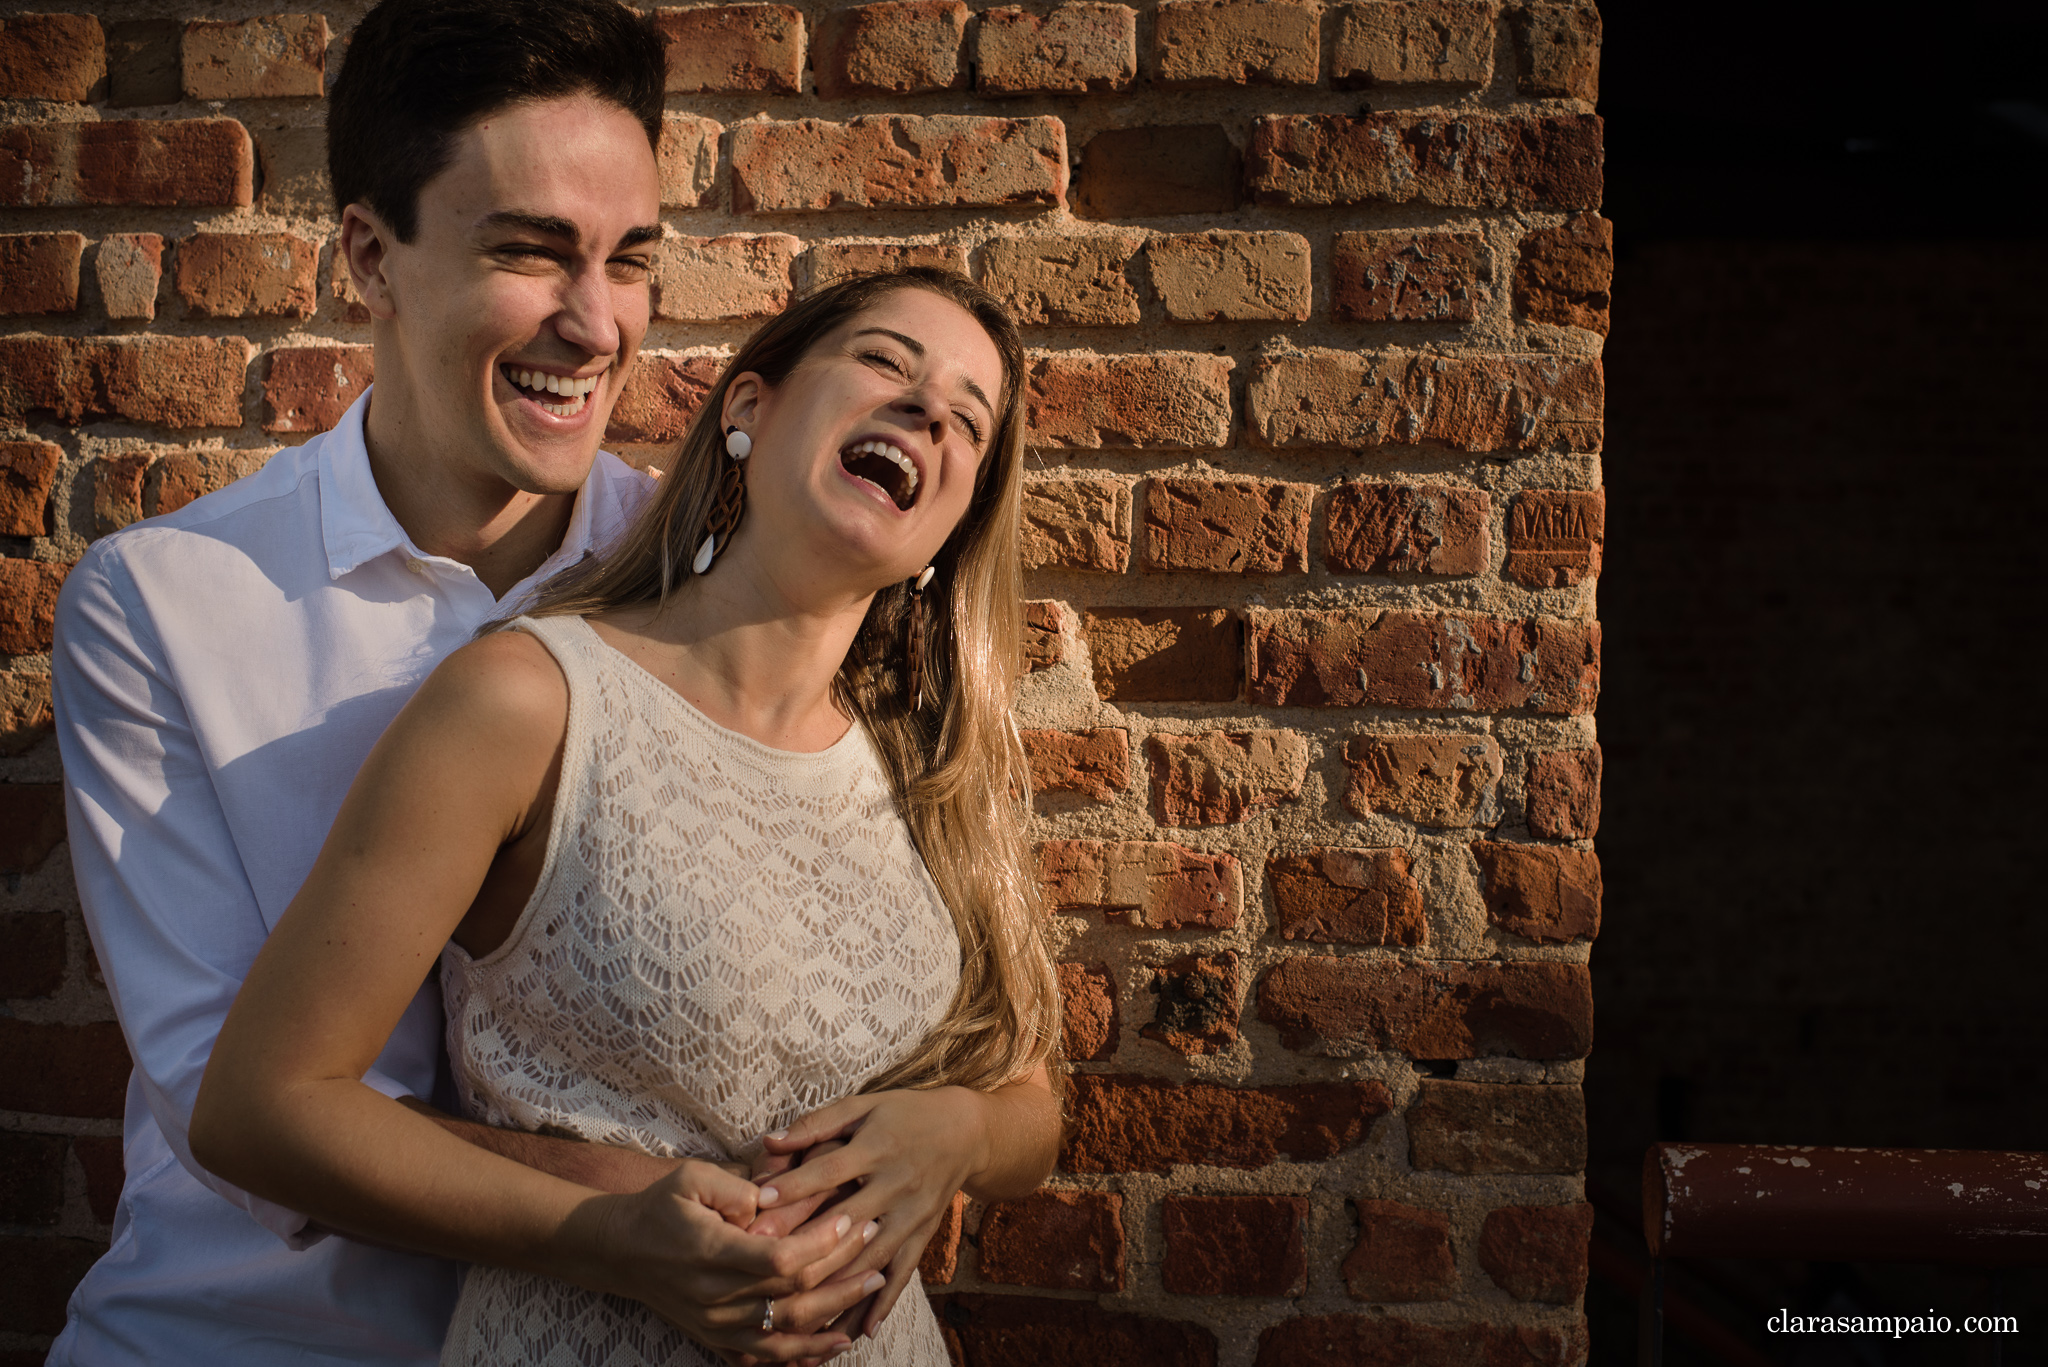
(742,402)
(366,242)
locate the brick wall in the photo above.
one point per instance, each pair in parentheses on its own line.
(1316,295)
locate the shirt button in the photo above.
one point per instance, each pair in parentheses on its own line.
(416,566)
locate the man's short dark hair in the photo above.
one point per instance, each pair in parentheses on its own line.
(419,72)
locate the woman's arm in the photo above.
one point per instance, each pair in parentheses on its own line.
(911,1150)
(466,767)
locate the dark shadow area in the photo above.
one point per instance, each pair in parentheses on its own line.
(1827,384)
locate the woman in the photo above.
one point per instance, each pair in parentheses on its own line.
(723,839)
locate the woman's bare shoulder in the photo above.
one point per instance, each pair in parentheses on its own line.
(506,683)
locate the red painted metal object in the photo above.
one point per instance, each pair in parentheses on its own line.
(1849,1205)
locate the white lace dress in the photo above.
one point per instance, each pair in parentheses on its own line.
(724,936)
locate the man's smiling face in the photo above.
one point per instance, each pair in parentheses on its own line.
(523,297)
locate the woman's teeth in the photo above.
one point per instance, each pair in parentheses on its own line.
(574,391)
(894,457)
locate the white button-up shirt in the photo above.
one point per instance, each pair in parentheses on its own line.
(220,675)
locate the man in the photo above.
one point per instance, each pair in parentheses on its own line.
(220,673)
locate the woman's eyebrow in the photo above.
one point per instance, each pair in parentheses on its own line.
(917,349)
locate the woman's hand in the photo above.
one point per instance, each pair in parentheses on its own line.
(909,1151)
(681,1247)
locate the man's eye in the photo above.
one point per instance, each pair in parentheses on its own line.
(629,267)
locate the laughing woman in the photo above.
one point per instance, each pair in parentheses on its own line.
(720,851)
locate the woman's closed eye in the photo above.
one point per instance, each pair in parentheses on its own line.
(965,419)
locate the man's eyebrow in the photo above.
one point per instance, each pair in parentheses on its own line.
(917,349)
(547,225)
(646,232)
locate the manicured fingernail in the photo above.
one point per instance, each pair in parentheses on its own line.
(873,1283)
(778,1134)
(870,1230)
(769,1196)
(845,1223)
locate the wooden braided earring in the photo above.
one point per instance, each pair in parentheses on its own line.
(914,666)
(730,505)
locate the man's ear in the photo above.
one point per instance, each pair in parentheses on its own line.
(366,243)
(742,402)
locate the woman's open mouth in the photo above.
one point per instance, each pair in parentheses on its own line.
(562,395)
(886,466)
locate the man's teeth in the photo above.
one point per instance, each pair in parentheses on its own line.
(888,452)
(571,388)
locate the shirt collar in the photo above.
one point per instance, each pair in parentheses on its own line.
(357,527)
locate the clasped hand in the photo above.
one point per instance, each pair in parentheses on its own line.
(831,1227)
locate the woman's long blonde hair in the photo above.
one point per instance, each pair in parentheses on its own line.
(958,768)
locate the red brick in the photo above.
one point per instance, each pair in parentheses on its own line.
(1475,161)
(1071,281)
(1377,1341)
(1538,1253)
(143,62)
(36,1279)
(1076,524)
(899,161)
(831,262)
(262,58)
(51,57)
(170,381)
(940,1262)
(129,266)
(687,154)
(733,48)
(1215,778)
(1045,624)
(73,1070)
(661,395)
(1152,172)
(39,271)
(1403,1254)
(1347,1007)
(1029,1331)
(1077,49)
(1407,529)
(28,611)
(1200,996)
(1155,401)
(1357,897)
(293,161)
(1096,762)
(1408,277)
(1564,274)
(1439,779)
(1540,892)
(1226,526)
(28,472)
(308,388)
(1555,537)
(1235,1245)
(1557,50)
(247,275)
(1564,794)
(31,1178)
(724,279)
(1236,42)
(1150,883)
(1479,1127)
(896,47)
(164,162)
(1406,398)
(1089,1028)
(177,477)
(25,714)
(1422,660)
(34,963)
(1230,277)
(117,490)
(1139,1124)
(1061,1240)
(101,1159)
(1165,654)
(1412,42)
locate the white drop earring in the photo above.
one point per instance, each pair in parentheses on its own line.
(913,665)
(731,504)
